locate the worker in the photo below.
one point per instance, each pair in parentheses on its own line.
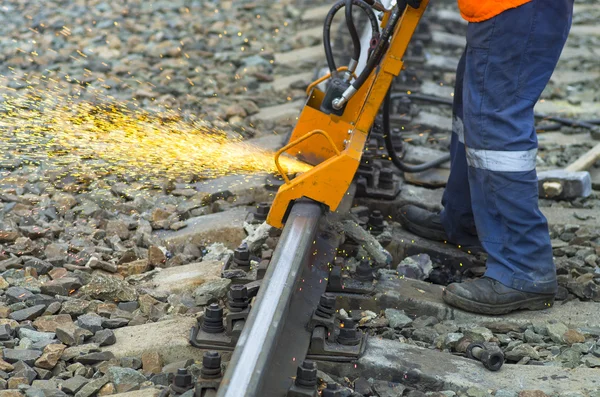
(491,199)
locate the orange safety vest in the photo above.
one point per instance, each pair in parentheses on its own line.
(480,10)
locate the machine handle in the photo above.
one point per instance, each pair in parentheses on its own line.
(297,141)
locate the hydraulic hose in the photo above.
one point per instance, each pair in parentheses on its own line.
(327,30)
(423,97)
(381,46)
(557,121)
(589,124)
(353,35)
(389,145)
(374,58)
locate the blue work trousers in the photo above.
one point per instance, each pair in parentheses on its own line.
(493,184)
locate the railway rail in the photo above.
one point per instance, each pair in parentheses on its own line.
(264,346)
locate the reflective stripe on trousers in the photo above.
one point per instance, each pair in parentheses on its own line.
(495,160)
(502,161)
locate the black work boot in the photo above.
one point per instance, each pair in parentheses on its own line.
(488,296)
(422,222)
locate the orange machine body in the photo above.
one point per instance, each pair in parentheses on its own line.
(334,144)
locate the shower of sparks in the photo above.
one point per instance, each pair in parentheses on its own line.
(115,137)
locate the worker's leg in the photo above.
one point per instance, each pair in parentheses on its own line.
(455,223)
(457,216)
(509,60)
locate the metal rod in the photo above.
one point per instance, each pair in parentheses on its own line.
(477,352)
(263,327)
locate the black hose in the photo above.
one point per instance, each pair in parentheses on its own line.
(548,127)
(327,29)
(381,46)
(557,121)
(423,97)
(327,36)
(352,30)
(568,122)
(389,145)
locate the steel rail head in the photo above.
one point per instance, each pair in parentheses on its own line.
(259,337)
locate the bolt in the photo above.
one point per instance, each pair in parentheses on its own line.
(404,105)
(326,306)
(366,161)
(238,297)
(306,375)
(386,180)
(182,379)
(417,48)
(365,169)
(241,256)
(410,78)
(348,335)
(332,390)
(364,272)
(376,223)
(397,141)
(211,365)
(376,218)
(380,142)
(327,300)
(238,291)
(262,210)
(213,319)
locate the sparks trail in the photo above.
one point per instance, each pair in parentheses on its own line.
(128,142)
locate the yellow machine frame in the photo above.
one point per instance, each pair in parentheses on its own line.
(334,144)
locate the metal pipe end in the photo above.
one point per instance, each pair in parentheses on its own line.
(474,350)
(492,360)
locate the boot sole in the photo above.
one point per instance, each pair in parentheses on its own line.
(537,303)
